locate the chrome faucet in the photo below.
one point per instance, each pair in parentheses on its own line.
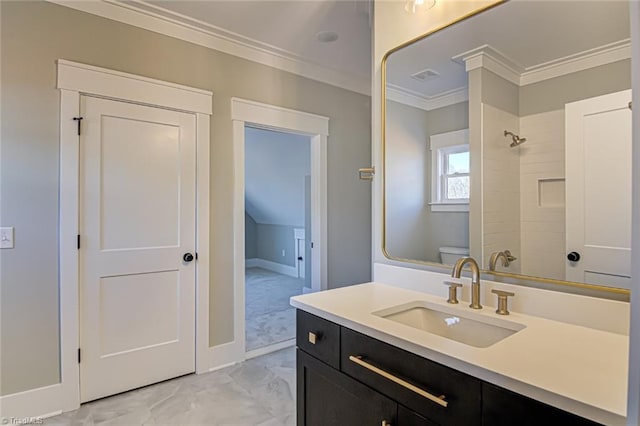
(475,279)
(506,256)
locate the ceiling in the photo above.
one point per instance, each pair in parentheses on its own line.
(283,27)
(527,33)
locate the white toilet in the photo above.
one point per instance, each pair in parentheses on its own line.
(449,255)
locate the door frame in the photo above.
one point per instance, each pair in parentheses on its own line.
(74,80)
(286,120)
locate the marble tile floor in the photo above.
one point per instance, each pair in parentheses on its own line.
(269,318)
(257,392)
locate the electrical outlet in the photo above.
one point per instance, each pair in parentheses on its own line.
(6,237)
(283,253)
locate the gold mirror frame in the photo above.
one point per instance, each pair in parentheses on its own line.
(607,292)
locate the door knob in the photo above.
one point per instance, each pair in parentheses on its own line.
(188,257)
(574,256)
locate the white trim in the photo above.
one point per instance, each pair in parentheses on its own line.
(38,403)
(298,235)
(163,21)
(69,263)
(203,217)
(271,348)
(245,112)
(417,100)
(239,343)
(490,58)
(290,271)
(449,207)
(133,88)
(499,63)
(275,117)
(598,56)
(73,80)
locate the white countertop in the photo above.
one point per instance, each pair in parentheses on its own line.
(578,369)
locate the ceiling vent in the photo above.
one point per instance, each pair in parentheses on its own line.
(425,75)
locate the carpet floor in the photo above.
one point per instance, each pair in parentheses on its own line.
(269,316)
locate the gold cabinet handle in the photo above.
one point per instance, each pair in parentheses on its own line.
(385,423)
(313,338)
(440,400)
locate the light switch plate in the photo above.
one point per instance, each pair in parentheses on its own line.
(6,237)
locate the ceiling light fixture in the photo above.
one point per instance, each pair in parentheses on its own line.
(412,6)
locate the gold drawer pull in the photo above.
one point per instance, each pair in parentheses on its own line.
(440,400)
(313,338)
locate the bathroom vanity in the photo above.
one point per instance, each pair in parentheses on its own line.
(361,360)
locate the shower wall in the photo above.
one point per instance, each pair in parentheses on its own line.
(542,195)
(501,187)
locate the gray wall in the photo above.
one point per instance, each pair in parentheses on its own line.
(552,94)
(34,35)
(250,237)
(275,166)
(272,239)
(413,231)
(500,93)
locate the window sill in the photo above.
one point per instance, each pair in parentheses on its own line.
(449,207)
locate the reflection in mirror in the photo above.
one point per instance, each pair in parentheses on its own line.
(508,138)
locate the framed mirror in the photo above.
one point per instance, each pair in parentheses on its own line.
(507,137)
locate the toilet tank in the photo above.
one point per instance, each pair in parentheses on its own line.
(449,255)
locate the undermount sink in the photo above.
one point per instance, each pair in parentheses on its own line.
(464,327)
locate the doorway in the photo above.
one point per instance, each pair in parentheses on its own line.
(130,109)
(277,201)
(257,116)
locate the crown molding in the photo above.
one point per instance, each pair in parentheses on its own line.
(427,103)
(598,56)
(162,21)
(495,61)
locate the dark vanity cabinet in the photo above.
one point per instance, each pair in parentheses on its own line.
(347,378)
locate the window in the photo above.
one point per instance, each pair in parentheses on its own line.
(450,171)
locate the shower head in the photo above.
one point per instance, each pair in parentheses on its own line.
(516,140)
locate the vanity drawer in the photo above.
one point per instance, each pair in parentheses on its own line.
(318,337)
(412,380)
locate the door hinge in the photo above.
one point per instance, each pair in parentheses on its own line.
(78,241)
(630,105)
(78,120)
(311,244)
(79,355)
(196,255)
(366,173)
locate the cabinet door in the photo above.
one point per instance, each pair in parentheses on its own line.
(407,417)
(501,407)
(326,397)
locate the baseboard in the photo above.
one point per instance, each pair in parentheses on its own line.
(32,405)
(222,356)
(271,348)
(271,266)
(307,290)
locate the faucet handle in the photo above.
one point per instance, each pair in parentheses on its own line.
(453,291)
(502,301)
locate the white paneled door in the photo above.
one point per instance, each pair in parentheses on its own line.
(598,190)
(137,239)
